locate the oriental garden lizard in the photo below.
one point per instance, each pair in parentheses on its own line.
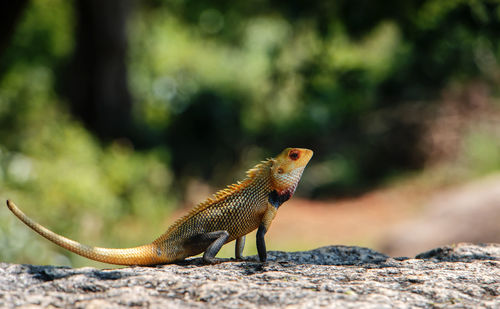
(228,215)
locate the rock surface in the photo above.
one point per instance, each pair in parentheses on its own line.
(461,276)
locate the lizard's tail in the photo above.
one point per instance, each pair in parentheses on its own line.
(143,255)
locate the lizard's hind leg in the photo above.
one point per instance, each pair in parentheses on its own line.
(218,239)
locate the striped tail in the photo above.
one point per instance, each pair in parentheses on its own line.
(142,255)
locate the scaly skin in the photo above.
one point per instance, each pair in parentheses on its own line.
(229,215)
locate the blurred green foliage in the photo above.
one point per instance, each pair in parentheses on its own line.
(339,77)
(225,84)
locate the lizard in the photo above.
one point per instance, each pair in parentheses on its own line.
(228,215)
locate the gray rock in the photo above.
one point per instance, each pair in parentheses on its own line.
(461,276)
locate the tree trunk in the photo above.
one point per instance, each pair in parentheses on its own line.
(10,11)
(97,79)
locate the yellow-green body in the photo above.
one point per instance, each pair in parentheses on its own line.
(229,215)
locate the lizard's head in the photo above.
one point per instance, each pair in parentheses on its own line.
(286,171)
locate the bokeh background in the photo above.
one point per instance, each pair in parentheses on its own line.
(117,116)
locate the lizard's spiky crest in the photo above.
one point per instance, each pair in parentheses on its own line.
(220,195)
(259,168)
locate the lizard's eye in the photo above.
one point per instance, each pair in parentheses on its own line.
(280,171)
(294,154)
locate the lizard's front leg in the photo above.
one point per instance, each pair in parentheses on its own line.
(238,249)
(263,227)
(261,243)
